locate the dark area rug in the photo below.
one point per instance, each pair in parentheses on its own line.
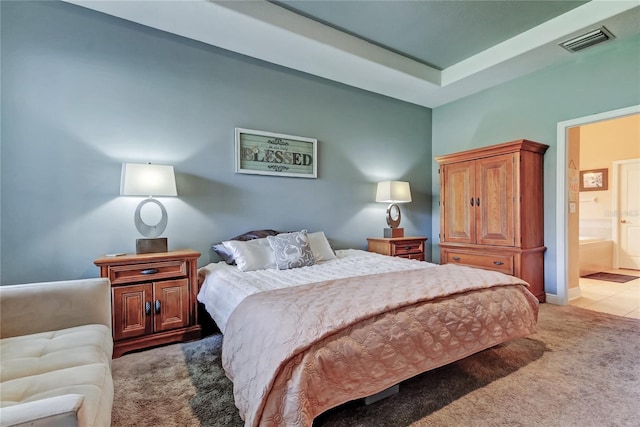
(610,277)
(579,369)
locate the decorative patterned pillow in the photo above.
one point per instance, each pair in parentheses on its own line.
(291,250)
(251,255)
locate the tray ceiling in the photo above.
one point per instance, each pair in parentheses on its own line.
(424,52)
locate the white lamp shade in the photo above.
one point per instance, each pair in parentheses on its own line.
(147,180)
(393,192)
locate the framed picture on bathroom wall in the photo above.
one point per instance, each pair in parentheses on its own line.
(594,180)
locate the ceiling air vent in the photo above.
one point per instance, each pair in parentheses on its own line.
(586,40)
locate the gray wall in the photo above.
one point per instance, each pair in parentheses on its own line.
(604,78)
(83,92)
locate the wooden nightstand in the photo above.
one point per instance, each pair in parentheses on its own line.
(405,247)
(153,298)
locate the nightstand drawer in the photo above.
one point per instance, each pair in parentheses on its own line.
(501,263)
(131,273)
(408,247)
(418,255)
(403,247)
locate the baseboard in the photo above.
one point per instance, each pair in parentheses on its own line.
(553,299)
(574,293)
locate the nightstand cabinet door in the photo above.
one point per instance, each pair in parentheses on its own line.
(170,305)
(130,307)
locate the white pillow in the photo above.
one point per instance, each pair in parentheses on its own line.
(251,255)
(320,246)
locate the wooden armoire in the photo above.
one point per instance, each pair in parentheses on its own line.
(491,210)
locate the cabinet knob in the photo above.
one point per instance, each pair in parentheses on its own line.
(149,271)
(456,258)
(498,262)
(471,201)
(157,306)
(147,308)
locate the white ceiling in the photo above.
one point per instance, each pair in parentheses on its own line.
(425,52)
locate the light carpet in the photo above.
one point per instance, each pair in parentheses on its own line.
(581,368)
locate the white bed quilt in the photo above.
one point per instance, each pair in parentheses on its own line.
(225,286)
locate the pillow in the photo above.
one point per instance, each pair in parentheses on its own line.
(322,250)
(221,250)
(251,255)
(291,250)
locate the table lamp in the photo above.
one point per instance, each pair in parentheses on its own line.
(149,180)
(393,192)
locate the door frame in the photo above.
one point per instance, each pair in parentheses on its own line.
(562,219)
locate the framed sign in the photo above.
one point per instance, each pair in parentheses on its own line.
(594,180)
(268,153)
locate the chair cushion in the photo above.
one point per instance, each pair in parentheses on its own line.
(58,411)
(48,351)
(92,381)
(69,361)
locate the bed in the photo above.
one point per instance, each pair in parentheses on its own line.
(347,324)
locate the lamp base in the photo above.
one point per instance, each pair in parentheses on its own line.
(394,232)
(147,246)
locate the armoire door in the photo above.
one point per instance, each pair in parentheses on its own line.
(494,202)
(458,224)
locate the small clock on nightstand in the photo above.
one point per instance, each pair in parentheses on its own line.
(404,247)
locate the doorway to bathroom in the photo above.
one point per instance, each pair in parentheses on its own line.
(599,224)
(603,211)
